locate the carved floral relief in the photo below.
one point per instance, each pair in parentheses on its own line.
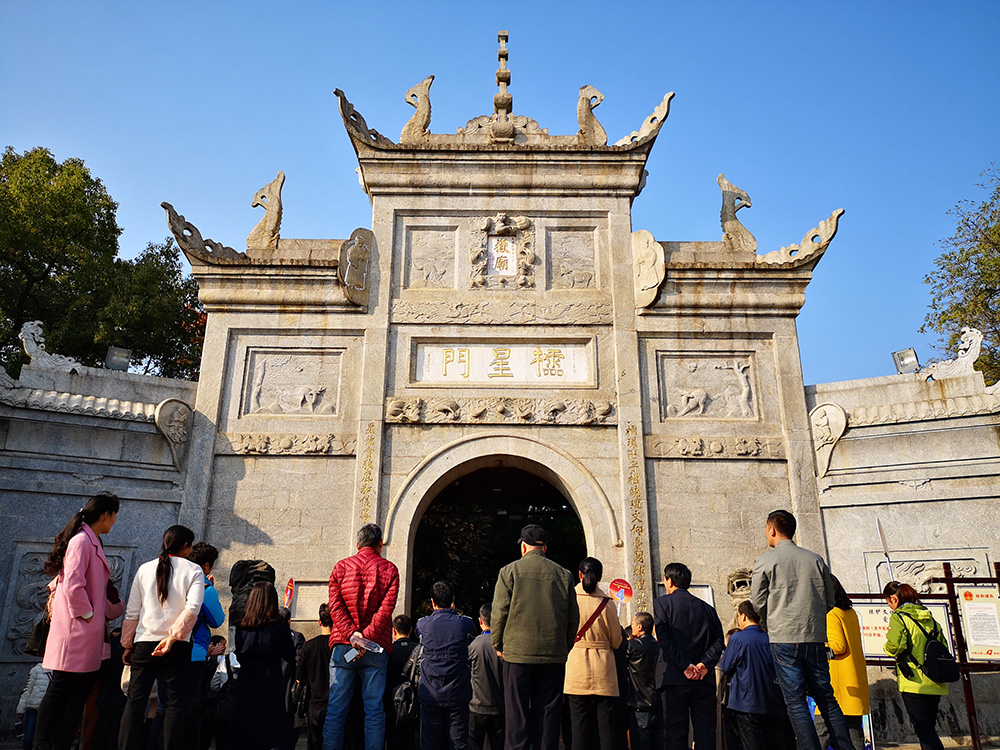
(267,444)
(499,410)
(497,312)
(715,447)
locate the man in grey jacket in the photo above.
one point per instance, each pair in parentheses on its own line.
(535,619)
(792,591)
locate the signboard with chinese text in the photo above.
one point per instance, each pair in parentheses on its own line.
(501,256)
(874,619)
(980,610)
(543,363)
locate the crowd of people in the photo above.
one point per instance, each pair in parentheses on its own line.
(546,661)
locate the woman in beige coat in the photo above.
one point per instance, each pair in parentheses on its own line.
(591,680)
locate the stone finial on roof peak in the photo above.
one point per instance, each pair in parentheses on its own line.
(502,130)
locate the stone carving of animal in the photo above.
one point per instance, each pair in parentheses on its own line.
(419,98)
(264,236)
(735,236)
(591,133)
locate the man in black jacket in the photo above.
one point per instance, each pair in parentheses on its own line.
(690,635)
(643,654)
(313,670)
(399,734)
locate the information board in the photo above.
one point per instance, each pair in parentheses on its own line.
(874,619)
(979,607)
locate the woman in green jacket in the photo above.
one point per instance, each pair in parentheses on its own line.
(906,642)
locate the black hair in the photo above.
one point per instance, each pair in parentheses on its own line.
(204,553)
(592,571)
(783,522)
(369,535)
(324,616)
(840,597)
(215,640)
(442,594)
(746,609)
(402,624)
(679,574)
(645,621)
(93,509)
(286,613)
(486,613)
(175,539)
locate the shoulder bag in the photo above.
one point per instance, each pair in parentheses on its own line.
(592,620)
(939,664)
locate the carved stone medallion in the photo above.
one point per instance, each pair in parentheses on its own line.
(503,253)
(828,423)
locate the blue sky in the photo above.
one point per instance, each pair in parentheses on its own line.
(886,109)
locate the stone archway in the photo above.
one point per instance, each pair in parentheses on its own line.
(600,523)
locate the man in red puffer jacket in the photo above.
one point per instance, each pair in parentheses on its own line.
(363,591)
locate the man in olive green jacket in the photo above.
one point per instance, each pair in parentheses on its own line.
(535,621)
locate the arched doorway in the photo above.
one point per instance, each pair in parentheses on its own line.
(470,530)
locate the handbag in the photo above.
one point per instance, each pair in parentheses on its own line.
(39,635)
(939,664)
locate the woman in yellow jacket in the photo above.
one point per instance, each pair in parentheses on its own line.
(848,674)
(591,680)
(907,643)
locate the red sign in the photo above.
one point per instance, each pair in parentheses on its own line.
(621,590)
(289,592)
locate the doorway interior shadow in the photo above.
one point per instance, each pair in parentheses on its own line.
(471,530)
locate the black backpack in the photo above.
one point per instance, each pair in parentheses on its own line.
(227,693)
(405,705)
(939,664)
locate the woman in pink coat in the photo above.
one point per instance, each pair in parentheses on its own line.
(83,602)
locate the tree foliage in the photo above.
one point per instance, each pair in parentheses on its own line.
(965,284)
(59,264)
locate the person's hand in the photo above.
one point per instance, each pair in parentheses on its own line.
(211,578)
(127,656)
(500,654)
(164,646)
(88,619)
(691,672)
(361,649)
(217,649)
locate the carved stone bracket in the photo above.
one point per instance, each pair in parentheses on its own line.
(34,346)
(715,447)
(356,126)
(268,444)
(498,230)
(192,243)
(813,244)
(497,312)
(651,125)
(650,268)
(828,423)
(499,410)
(173,420)
(968,352)
(354,270)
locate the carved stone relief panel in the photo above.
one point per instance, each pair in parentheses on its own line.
(502,253)
(730,447)
(430,257)
(571,257)
(27,592)
(288,382)
(707,386)
(917,567)
(500,410)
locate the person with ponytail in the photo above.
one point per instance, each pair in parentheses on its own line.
(163,606)
(82,601)
(591,685)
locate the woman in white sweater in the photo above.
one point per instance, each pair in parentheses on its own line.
(163,606)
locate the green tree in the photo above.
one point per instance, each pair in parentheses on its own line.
(965,284)
(59,264)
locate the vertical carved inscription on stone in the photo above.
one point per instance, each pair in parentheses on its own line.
(368,484)
(637,512)
(430,257)
(708,387)
(570,258)
(290,381)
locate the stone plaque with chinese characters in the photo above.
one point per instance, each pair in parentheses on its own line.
(501,256)
(499,364)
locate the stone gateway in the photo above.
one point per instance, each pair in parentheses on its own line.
(501,314)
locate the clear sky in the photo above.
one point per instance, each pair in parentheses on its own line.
(886,109)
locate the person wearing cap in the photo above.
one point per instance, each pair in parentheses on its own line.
(535,620)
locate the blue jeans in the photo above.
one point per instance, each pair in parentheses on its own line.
(804,667)
(371,667)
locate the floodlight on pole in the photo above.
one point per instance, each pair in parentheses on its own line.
(906,361)
(117,358)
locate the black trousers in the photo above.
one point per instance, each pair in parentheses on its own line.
(444,727)
(923,710)
(645,730)
(696,701)
(483,727)
(590,717)
(533,704)
(174,672)
(758,731)
(315,720)
(61,708)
